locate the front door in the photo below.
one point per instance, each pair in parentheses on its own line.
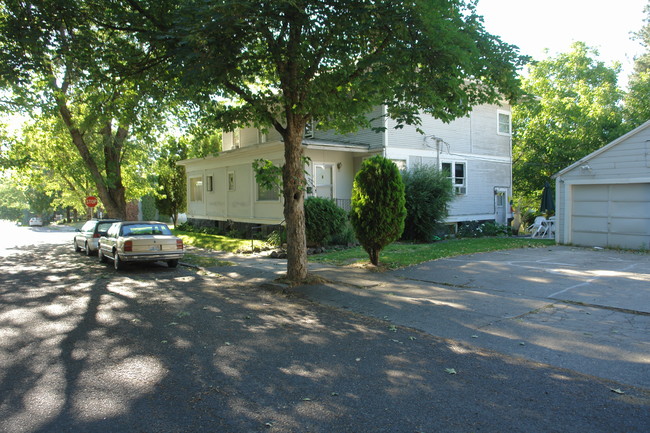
(500,206)
(324,181)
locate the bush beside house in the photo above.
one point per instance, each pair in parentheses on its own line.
(428,192)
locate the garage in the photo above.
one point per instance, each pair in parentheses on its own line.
(604,199)
(611,215)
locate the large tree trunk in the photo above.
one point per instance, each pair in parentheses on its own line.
(293,177)
(111,191)
(113,145)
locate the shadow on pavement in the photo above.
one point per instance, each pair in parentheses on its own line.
(152,349)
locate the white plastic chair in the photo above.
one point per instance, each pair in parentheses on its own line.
(538,228)
(551,227)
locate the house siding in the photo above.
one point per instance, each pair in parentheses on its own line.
(474,134)
(472,140)
(241,204)
(363,136)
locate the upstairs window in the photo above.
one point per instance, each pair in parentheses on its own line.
(503,123)
(309,129)
(457,173)
(236,139)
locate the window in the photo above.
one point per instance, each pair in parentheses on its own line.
(196,188)
(400,163)
(456,172)
(231,181)
(208,183)
(309,129)
(236,139)
(503,123)
(265,194)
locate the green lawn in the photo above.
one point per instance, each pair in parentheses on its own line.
(399,254)
(217,242)
(396,255)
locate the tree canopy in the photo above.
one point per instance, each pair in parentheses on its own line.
(283,63)
(572,109)
(637,99)
(60,66)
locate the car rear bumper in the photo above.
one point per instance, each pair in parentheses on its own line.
(154,257)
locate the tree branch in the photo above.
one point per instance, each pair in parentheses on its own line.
(153,20)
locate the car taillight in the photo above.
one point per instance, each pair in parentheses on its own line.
(128,246)
(97,235)
(179,244)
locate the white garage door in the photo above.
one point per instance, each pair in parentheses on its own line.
(611,215)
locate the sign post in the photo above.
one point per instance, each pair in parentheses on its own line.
(91,202)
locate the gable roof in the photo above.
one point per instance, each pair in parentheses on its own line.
(620,139)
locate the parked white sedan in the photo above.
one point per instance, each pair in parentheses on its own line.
(139,241)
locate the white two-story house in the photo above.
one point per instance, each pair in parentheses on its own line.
(474,150)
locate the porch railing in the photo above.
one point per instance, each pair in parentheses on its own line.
(344,203)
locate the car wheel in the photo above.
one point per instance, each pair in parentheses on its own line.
(76,247)
(88,252)
(172,263)
(100,255)
(119,265)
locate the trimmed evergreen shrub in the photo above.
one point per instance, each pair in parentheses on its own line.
(149,210)
(428,194)
(343,237)
(378,205)
(323,219)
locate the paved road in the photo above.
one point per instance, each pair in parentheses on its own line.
(152,349)
(583,309)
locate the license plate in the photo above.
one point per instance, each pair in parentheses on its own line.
(155,248)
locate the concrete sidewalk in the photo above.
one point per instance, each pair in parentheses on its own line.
(582,309)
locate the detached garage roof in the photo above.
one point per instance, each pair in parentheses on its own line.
(603,149)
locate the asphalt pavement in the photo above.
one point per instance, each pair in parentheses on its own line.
(584,309)
(151,349)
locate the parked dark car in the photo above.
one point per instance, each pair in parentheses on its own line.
(87,237)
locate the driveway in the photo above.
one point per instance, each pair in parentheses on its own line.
(583,309)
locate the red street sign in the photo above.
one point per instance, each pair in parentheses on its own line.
(91,201)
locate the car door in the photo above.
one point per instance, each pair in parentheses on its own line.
(108,242)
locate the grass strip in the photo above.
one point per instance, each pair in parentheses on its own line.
(218,242)
(401,254)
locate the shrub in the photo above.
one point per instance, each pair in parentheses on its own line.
(277,237)
(343,237)
(149,210)
(323,219)
(428,192)
(378,205)
(492,228)
(191,228)
(475,229)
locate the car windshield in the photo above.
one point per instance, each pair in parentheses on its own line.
(145,229)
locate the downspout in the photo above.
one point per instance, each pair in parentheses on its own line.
(384,137)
